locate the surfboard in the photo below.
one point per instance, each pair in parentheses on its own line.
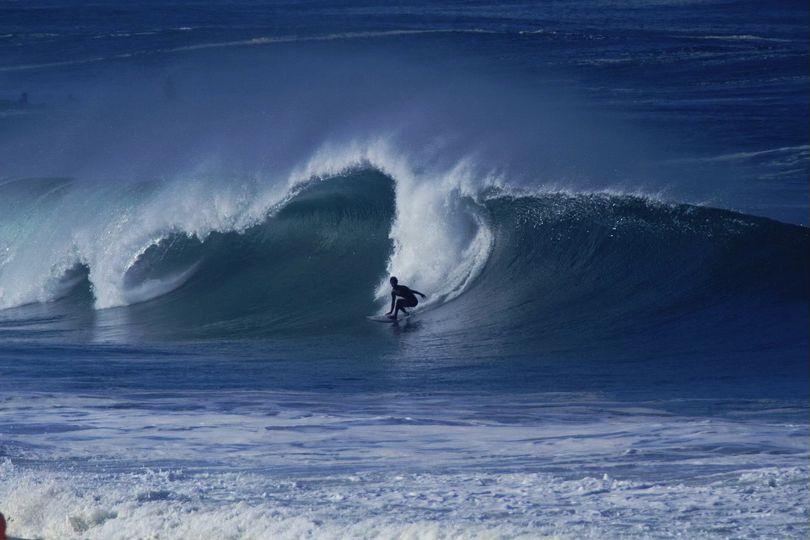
(384,319)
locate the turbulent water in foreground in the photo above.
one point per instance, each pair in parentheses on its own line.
(605,202)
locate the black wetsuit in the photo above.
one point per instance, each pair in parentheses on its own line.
(402,297)
(407,297)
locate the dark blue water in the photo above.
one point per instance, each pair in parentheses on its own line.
(605,203)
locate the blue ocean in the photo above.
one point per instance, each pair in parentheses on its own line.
(605,203)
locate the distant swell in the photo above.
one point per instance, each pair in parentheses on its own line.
(251,42)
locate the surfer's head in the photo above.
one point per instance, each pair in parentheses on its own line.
(393,281)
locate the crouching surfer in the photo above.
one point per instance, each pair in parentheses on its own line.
(401,297)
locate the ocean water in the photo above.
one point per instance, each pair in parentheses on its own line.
(606,203)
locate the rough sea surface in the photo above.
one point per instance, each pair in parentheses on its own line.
(606,203)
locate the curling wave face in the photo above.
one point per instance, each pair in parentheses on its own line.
(500,267)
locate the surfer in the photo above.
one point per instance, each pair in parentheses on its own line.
(407,298)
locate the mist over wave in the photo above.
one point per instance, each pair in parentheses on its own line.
(183,151)
(250,191)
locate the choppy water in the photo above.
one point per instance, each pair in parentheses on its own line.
(606,204)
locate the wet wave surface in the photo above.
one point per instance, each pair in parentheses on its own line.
(515,268)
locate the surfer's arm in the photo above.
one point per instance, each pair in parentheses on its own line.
(417,292)
(393,300)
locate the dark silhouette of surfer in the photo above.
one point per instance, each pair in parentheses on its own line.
(401,297)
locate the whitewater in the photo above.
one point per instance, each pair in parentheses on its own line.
(138,218)
(605,205)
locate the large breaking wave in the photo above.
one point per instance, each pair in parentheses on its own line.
(314,259)
(206,197)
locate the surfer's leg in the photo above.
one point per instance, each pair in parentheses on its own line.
(400,307)
(402,303)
